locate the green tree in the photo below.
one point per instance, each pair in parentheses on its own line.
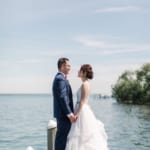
(143,75)
(133,87)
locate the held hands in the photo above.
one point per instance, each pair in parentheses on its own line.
(73,118)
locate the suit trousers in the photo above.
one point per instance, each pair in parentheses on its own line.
(63,128)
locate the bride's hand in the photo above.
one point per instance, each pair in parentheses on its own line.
(76,116)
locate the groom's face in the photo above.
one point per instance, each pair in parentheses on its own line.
(66,67)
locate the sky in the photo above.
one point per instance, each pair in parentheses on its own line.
(111,35)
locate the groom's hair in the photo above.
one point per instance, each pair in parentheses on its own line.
(61,61)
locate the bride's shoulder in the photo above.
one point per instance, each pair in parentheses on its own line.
(85,84)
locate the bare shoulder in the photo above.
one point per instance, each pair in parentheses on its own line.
(85,85)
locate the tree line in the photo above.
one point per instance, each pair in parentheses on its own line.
(133,86)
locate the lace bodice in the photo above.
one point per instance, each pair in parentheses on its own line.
(79,96)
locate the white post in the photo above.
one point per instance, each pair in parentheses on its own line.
(29,148)
(51,132)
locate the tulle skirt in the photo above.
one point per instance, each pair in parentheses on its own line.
(87,133)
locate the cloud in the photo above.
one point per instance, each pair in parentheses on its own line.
(111,47)
(89,42)
(124,9)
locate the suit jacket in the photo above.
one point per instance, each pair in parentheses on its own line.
(62,96)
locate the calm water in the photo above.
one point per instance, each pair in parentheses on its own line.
(24,119)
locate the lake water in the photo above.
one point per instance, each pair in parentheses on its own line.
(24,120)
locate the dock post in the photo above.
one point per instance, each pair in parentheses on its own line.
(29,148)
(51,132)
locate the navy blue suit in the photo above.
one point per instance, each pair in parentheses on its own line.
(63,105)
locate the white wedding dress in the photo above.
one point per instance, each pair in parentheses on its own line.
(87,133)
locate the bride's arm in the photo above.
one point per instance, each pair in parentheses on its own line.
(84,95)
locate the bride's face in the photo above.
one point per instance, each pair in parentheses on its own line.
(81,74)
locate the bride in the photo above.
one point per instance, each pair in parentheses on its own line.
(86,133)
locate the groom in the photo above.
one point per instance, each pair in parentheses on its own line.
(63,103)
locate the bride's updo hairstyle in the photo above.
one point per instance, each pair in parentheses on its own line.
(87,69)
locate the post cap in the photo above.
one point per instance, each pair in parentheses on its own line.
(52,124)
(29,148)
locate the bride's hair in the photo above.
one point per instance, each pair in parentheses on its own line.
(87,69)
